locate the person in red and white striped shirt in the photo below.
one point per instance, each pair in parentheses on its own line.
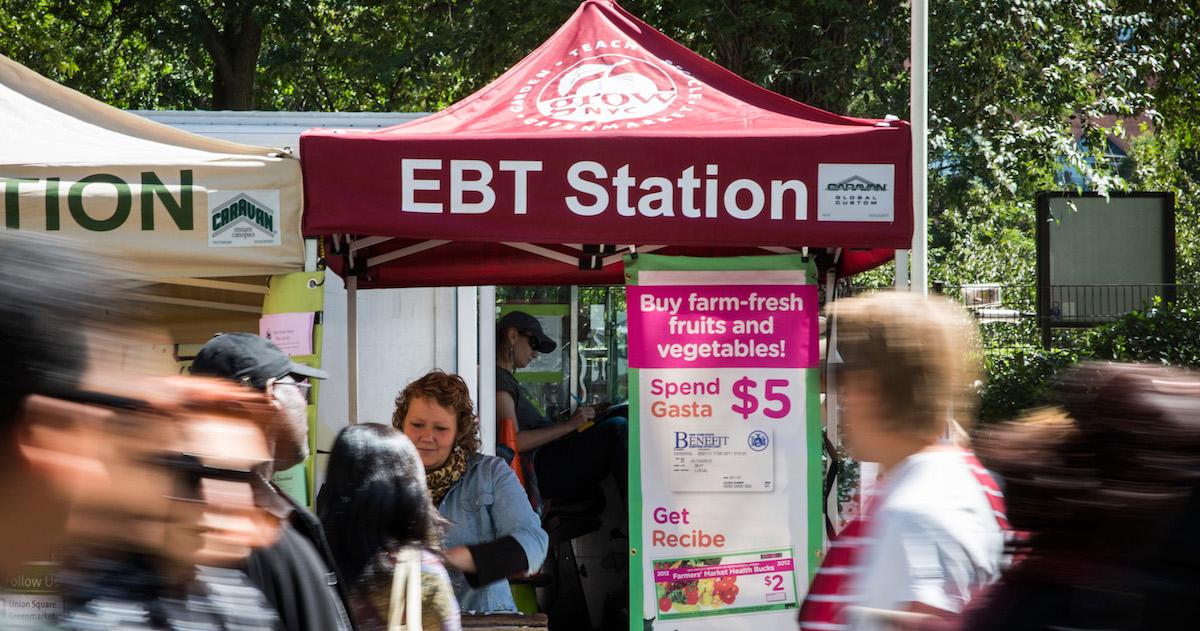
(932,533)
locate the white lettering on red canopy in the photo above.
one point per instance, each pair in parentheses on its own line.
(696,192)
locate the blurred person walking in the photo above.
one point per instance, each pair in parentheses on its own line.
(298,574)
(52,294)
(932,535)
(385,532)
(1107,486)
(157,547)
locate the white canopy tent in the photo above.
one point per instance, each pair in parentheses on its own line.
(194,223)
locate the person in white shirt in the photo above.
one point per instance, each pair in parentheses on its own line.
(936,541)
(932,531)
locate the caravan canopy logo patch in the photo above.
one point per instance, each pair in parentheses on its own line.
(243,218)
(606,85)
(856,192)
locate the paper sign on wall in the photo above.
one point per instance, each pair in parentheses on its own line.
(291,332)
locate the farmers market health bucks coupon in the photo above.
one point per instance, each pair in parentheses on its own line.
(725,503)
(735,584)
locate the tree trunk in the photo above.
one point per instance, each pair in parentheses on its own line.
(234,50)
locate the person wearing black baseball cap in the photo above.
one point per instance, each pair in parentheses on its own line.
(298,574)
(255,362)
(565,460)
(249,358)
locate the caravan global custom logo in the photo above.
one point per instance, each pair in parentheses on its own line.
(606,85)
(856,192)
(243,218)
(856,183)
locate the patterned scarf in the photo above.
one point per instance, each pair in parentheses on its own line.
(441,479)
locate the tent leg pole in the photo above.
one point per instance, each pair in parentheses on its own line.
(902,270)
(487,368)
(832,418)
(311,254)
(467,338)
(352,347)
(575,389)
(919,108)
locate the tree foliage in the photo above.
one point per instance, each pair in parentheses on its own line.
(75,45)
(1021,91)
(1166,333)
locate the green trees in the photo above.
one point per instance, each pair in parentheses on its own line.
(1021,91)
(1020,377)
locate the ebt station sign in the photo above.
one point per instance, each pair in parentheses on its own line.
(590,188)
(470,187)
(606,85)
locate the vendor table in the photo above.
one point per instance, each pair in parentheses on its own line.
(504,622)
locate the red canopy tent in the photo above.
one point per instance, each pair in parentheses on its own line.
(609,135)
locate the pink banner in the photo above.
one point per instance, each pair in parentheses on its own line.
(722,326)
(718,571)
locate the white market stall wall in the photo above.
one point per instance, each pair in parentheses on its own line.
(402,333)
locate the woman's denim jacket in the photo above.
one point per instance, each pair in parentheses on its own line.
(486,504)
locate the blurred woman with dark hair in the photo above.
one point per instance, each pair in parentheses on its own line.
(1106,486)
(382,527)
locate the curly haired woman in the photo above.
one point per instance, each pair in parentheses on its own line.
(494,532)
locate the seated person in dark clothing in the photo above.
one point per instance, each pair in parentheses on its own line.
(571,457)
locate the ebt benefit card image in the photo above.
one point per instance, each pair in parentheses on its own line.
(736,583)
(720,458)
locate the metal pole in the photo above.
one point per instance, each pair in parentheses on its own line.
(902,270)
(832,418)
(570,339)
(352,346)
(487,369)
(310,255)
(466,336)
(919,109)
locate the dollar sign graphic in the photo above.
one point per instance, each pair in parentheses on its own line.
(749,402)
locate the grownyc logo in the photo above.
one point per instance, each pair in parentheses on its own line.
(606,85)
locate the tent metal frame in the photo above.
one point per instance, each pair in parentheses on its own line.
(486,304)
